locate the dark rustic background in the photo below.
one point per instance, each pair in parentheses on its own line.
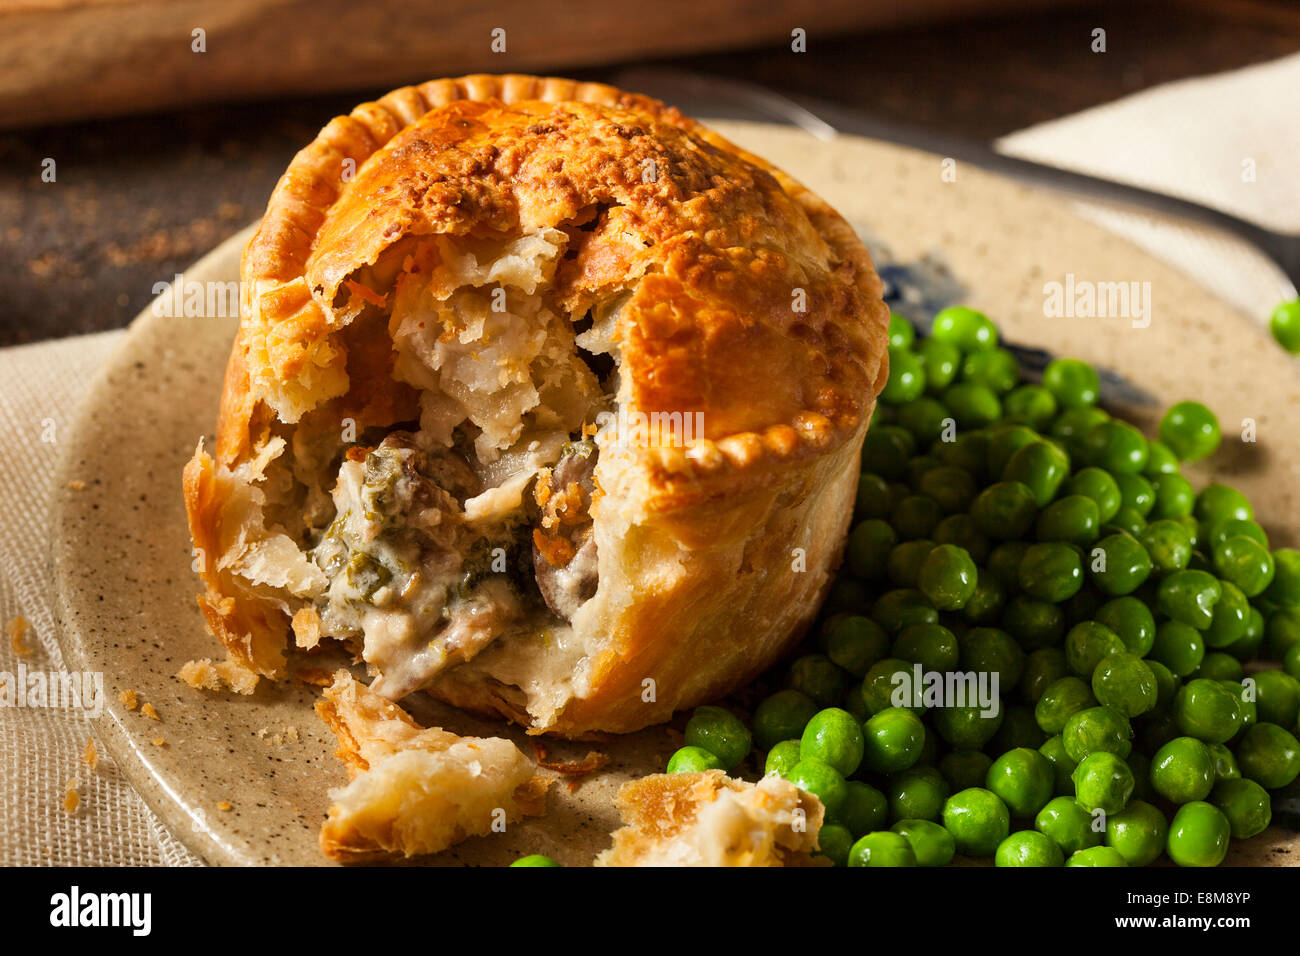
(137,199)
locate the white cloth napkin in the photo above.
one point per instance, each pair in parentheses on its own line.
(1189,138)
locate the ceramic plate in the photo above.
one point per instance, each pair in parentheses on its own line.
(122,554)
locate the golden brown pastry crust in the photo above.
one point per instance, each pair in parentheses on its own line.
(753,303)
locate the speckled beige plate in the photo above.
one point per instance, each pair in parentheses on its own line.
(122,555)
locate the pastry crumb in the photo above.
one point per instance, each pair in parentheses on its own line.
(76,484)
(595,760)
(148,710)
(206,675)
(225,806)
(130,699)
(306,628)
(17,629)
(90,755)
(71,800)
(159,742)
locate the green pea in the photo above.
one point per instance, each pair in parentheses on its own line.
(855,643)
(865,808)
(1126,520)
(821,780)
(1060,701)
(1246,647)
(873,499)
(1136,493)
(781,716)
(968,727)
(1019,729)
(1051,571)
(1183,770)
(1167,684)
(1124,683)
(951,487)
(1174,496)
(720,732)
(1277,697)
(932,646)
(918,794)
(1053,748)
(1291,661)
(1285,325)
(1074,519)
(1071,427)
(1004,441)
(868,549)
(973,406)
(1245,804)
(906,381)
(1132,620)
(940,361)
(693,760)
(924,418)
(1283,631)
(1117,447)
(1198,835)
(964,769)
(904,564)
(1225,764)
(968,450)
(947,577)
(893,740)
(1097,730)
(1118,564)
(1167,544)
(1285,589)
(1028,848)
(887,449)
(834,737)
(882,848)
(534,859)
(978,821)
(1220,667)
(914,517)
(985,605)
(1042,668)
(1230,618)
(1097,856)
(1138,833)
(960,529)
(1160,460)
(782,758)
(1004,563)
(902,334)
(1030,405)
(1246,563)
(1098,485)
(1179,647)
(1189,597)
(895,610)
(881,685)
(1190,430)
(964,328)
(1206,710)
(1040,465)
(1068,825)
(994,369)
(1087,644)
(931,844)
(1024,780)
(1005,510)
(817,676)
(1269,755)
(834,842)
(1103,781)
(1140,764)
(1074,383)
(1217,502)
(990,650)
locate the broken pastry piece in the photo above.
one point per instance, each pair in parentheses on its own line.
(415,791)
(709,819)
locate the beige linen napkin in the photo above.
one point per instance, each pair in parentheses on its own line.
(1188,138)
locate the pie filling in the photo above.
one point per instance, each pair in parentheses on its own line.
(442,536)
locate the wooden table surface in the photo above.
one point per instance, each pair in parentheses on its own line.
(138,199)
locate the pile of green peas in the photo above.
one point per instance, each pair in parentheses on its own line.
(1014,528)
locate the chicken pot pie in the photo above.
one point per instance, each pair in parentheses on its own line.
(545,400)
